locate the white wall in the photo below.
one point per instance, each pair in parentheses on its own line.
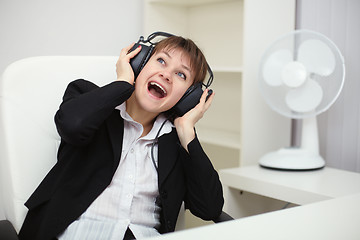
(66,27)
(339,127)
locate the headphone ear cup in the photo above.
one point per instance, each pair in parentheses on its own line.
(190,99)
(138,62)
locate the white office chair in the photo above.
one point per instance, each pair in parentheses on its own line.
(31,91)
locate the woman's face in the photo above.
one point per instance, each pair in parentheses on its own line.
(163,81)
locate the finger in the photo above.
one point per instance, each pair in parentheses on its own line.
(203,105)
(209,100)
(125,55)
(206,95)
(134,52)
(203,96)
(126,49)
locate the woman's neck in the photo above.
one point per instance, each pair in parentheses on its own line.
(145,118)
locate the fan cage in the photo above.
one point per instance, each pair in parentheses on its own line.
(331,84)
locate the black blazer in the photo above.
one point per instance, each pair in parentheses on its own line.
(91,131)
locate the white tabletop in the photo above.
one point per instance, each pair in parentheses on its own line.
(336,219)
(301,187)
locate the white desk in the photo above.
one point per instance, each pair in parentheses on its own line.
(301,188)
(330,199)
(333,219)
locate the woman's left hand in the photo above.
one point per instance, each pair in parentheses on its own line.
(185,124)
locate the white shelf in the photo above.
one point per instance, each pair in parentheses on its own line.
(219,137)
(189,3)
(227,69)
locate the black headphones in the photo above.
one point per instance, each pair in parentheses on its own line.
(192,95)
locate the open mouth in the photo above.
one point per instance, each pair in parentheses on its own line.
(156,90)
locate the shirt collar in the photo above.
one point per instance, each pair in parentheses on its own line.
(156,126)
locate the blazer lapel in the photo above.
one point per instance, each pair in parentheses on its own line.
(167,154)
(115,126)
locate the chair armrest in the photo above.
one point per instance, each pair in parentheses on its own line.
(223,218)
(7,231)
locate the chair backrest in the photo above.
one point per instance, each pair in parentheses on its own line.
(30,93)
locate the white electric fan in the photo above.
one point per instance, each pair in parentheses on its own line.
(301,75)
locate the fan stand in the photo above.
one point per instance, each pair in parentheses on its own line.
(305,157)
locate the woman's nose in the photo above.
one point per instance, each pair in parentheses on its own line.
(166,75)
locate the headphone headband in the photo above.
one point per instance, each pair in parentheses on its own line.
(154,35)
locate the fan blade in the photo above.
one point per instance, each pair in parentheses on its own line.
(317,57)
(294,74)
(273,66)
(305,98)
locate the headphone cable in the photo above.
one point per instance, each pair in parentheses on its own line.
(155,142)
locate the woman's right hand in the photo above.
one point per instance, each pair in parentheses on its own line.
(124,71)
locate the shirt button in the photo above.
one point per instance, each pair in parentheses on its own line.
(128,195)
(132,150)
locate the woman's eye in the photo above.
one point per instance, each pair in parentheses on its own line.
(180,74)
(160,60)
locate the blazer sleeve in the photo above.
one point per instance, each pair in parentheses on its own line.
(86,106)
(204,197)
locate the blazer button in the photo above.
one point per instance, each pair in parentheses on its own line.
(164,194)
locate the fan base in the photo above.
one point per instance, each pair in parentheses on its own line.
(295,159)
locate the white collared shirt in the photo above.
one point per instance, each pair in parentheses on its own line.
(129,200)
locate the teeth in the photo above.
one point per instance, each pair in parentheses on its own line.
(156,84)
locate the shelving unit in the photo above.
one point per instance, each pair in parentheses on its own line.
(232,34)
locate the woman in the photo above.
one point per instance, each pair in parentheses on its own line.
(123,170)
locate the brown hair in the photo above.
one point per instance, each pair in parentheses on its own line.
(198,62)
